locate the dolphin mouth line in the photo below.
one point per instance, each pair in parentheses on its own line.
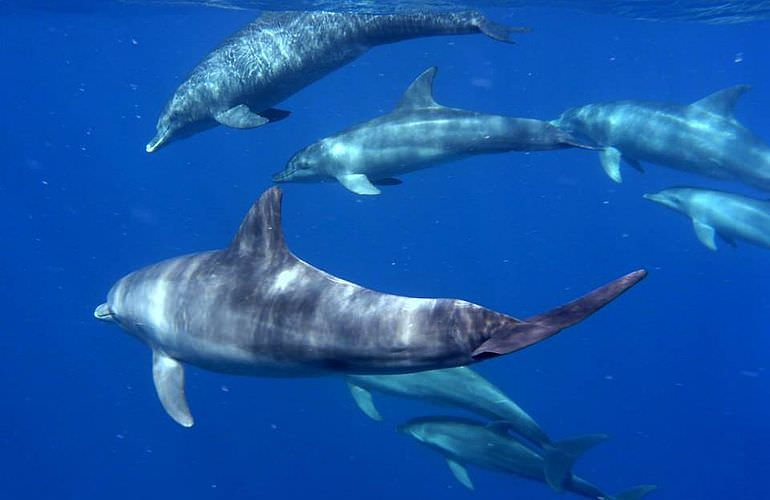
(281,176)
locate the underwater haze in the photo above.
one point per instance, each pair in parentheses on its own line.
(676,371)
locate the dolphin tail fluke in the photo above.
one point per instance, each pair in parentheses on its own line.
(560,457)
(634,493)
(520,334)
(498,31)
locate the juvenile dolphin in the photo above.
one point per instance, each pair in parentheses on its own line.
(703,137)
(463,442)
(254,308)
(418,133)
(279,53)
(732,216)
(464,388)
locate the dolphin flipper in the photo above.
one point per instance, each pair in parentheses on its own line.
(521,334)
(363,399)
(559,458)
(634,493)
(705,234)
(168,375)
(460,473)
(358,183)
(240,116)
(610,160)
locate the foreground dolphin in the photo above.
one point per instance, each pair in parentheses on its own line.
(418,133)
(463,442)
(716,212)
(464,388)
(279,53)
(253,308)
(703,137)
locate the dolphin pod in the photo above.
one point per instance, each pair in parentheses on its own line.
(418,133)
(465,442)
(254,308)
(279,53)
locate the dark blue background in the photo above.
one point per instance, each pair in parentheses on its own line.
(675,370)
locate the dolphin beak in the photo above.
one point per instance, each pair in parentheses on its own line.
(653,197)
(280,176)
(159,140)
(103,312)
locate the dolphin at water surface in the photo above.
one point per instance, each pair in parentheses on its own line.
(729,215)
(254,308)
(279,53)
(465,442)
(418,133)
(703,137)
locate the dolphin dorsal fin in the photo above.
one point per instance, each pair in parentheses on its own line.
(260,232)
(722,102)
(420,92)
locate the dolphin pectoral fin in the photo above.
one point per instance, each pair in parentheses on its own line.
(520,334)
(634,493)
(460,473)
(358,183)
(168,375)
(705,234)
(610,160)
(240,116)
(559,458)
(363,399)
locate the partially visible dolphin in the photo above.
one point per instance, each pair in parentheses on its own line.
(418,133)
(703,137)
(279,53)
(464,442)
(254,308)
(464,388)
(717,212)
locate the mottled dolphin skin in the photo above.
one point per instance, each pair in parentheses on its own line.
(418,133)
(464,388)
(279,53)
(254,308)
(703,137)
(467,442)
(732,216)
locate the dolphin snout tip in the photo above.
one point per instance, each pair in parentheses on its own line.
(103,312)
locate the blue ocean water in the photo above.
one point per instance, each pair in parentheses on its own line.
(675,371)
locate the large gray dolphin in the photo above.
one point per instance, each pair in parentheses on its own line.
(717,212)
(464,388)
(279,53)
(254,308)
(465,442)
(418,133)
(703,137)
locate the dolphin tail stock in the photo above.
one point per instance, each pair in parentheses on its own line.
(521,334)
(497,31)
(634,493)
(559,458)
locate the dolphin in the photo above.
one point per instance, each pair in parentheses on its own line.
(280,53)
(463,441)
(462,387)
(254,308)
(703,137)
(730,215)
(418,133)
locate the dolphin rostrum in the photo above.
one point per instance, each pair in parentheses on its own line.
(464,388)
(254,308)
(703,137)
(418,133)
(279,53)
(730,215)
(465,442)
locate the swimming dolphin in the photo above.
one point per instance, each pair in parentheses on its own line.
(703,137)
(279,53)
(464,441)
(716,212)
(464,388)
(418,133)
(254,308)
